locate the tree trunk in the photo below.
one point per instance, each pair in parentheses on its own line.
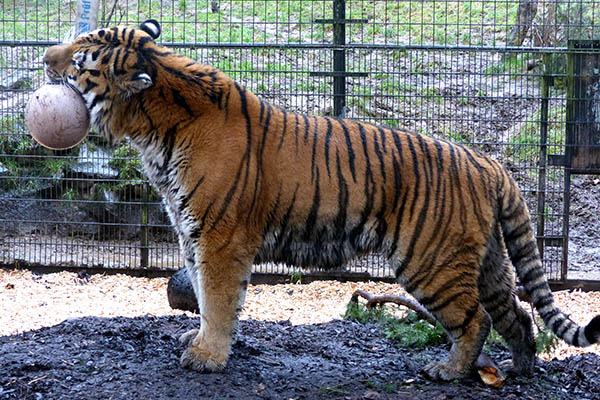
(525,15)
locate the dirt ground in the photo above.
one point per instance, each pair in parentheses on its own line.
(137,358)
(70,336)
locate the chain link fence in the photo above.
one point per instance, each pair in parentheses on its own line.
(500,76)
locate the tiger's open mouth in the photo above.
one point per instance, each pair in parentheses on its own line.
(55,78)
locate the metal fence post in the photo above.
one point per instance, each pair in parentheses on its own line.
(339,58)
(144,249)
(339,72)
(541,192)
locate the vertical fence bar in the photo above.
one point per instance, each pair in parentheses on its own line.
(144,228)
(541,189)
(570,119)
(339,58)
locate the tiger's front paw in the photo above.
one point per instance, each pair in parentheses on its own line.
(200,357)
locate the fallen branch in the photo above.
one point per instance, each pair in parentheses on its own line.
(488,372)
(399,300)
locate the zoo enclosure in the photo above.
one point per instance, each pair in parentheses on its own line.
(502,76)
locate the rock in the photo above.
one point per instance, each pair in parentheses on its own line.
(181,293)
(93,163)
(17,80)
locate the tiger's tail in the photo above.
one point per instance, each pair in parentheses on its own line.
(523,252)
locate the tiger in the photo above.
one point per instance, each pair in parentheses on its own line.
(245,181)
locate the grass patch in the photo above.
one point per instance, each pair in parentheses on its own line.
(459,137)
(306,84)
(408,331)
(546,341)
(525,145)
(387,387)
(514,65)
(417,22)
(411,331)
(296,277)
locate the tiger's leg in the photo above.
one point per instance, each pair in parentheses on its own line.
(222,276)
(454,301)
(186,244)
(510,320)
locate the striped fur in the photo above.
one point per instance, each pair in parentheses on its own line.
(245,181)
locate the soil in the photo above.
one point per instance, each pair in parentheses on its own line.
(126,358)
(584,224)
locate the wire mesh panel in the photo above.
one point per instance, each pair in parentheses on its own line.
(490,74)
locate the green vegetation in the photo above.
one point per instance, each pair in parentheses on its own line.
(459,137)
(432,94)
(31,21)
(307,84)
(361,99)
(336,391)
(126,160)
(387,387)
(546,340)
(409,331)
(361,314)
(417,22)
(391,123)
(296,277)
(513,65)
(24,159)
(391,85)
(525,144)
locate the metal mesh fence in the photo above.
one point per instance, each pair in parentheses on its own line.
(491,74)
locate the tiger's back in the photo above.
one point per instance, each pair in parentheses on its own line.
(245,181)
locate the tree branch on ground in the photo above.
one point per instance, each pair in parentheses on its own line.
(487,370)
(399,300)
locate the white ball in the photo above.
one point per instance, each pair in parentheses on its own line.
(56,117)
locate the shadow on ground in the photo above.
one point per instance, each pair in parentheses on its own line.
(138,358)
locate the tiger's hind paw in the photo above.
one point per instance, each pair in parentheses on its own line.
(511,369)
(441,372)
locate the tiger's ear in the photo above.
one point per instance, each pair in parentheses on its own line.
(139,82)
(151,27)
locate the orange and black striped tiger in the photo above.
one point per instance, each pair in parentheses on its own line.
(245,181)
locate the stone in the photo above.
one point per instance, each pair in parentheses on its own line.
(181,293)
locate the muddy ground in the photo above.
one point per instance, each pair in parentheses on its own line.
(138,358)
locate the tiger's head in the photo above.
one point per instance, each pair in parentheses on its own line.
(109,68)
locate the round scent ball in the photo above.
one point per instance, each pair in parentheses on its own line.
(56,117)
